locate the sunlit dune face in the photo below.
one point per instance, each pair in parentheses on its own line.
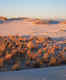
(52,51)
(45,57)
(8,56)
(39,51)
(1,62)
(3,18)
(2,47)
(15,67)
(52,61)
(34,56)
(30,45)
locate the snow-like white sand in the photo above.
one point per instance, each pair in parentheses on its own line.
(27,28)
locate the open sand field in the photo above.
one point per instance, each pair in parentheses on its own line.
(22,27)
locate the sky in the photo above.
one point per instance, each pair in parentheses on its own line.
(33,8)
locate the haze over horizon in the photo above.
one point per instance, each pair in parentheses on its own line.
(33,8)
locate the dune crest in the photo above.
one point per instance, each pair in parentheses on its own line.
(3,18)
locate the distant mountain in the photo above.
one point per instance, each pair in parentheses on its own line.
(54,22)
(19,18)
(33,20)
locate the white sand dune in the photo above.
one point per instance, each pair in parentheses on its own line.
(27,28)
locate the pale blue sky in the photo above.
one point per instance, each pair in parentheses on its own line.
(33,8)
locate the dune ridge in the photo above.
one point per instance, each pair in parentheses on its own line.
(24,52)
